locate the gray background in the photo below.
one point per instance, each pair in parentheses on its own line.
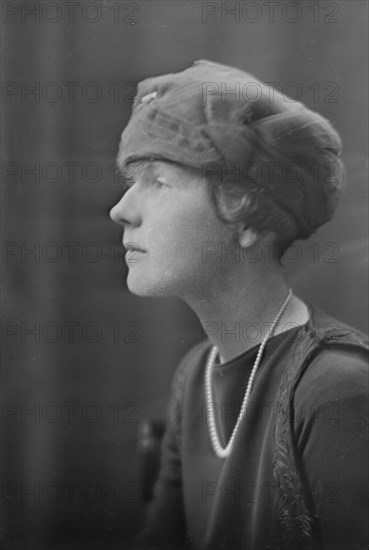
(322,51)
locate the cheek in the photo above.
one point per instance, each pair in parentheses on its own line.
(194,240)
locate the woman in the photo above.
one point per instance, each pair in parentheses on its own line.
(265,444)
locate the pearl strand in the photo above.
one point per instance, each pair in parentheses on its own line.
(224,452)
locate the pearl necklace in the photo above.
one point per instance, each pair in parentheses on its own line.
(223,452)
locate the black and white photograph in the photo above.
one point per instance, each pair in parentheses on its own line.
(184,275)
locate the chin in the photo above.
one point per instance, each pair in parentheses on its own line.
(159,286)
(146,288)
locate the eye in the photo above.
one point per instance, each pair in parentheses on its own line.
(128,183)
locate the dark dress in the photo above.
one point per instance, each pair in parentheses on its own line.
(297,476)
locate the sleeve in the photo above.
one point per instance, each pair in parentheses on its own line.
(165,524)
(331,415)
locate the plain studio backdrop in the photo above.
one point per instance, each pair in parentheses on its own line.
(83,361)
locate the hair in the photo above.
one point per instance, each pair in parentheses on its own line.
(246,202)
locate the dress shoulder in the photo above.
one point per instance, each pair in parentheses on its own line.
(338,368)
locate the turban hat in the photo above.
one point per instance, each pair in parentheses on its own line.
(217,118)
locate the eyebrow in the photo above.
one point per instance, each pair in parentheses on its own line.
(148,162)
(122,169)
(131,170)
(146,166)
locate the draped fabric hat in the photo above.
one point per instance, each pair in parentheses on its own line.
(226,122)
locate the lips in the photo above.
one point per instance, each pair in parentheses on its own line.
(133,247)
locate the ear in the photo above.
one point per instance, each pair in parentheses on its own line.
(247,236)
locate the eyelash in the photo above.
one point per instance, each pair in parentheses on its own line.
(129,182)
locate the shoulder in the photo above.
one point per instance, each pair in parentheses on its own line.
(337,374)
(328,330)
(340,353)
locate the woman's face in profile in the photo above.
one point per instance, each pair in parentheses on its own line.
(176,243)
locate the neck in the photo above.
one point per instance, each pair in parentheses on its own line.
(237,316)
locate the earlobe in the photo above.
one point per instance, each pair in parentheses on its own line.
(248,237)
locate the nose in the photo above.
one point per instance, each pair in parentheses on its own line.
(124,212)
(116,213)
